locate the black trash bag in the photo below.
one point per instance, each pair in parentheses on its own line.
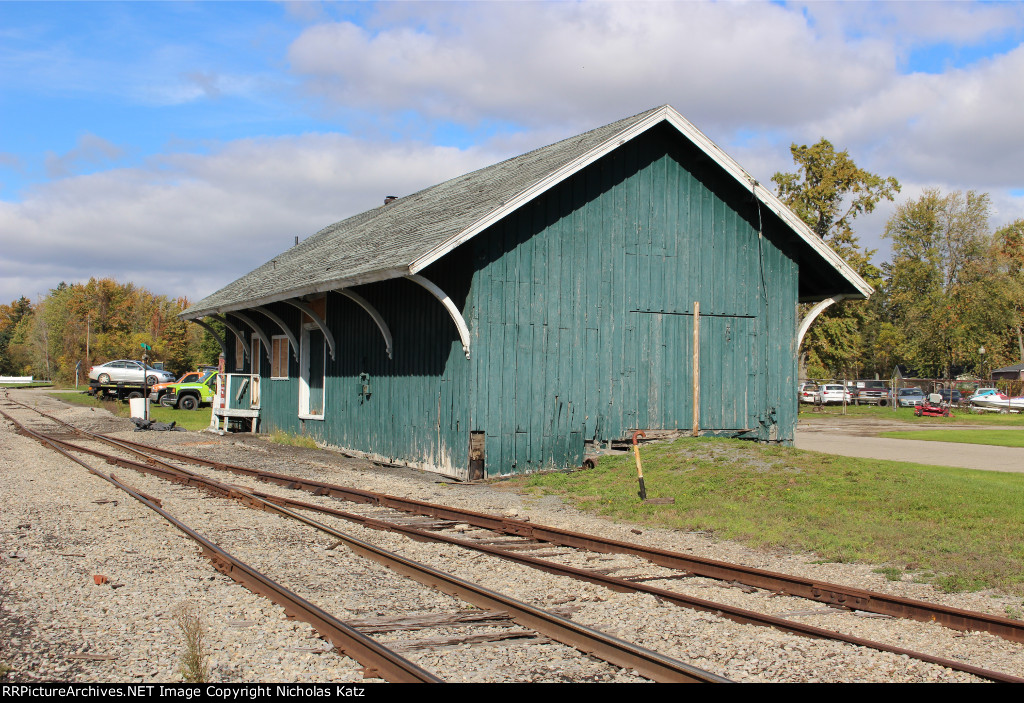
(142,425)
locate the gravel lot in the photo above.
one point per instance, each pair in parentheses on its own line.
(60,526)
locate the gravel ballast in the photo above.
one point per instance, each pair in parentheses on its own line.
(62,526)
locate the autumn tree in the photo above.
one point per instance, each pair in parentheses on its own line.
(938,281)
(10,317)
(93,322)
(828,191)
(1008,256)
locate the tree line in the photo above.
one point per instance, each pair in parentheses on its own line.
(949,302)
(95,322)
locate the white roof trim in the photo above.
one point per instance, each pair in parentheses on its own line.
(670,115)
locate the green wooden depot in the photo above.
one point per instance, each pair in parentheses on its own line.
(505,320)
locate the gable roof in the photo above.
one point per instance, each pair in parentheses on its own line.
(407,235)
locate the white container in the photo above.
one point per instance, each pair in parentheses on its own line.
(139,407)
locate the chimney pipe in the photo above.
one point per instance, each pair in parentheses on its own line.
(390,199)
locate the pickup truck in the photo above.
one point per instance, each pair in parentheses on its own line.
(188,395)
(871,392)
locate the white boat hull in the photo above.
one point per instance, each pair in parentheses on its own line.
(999,403)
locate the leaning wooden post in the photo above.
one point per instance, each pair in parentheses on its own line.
(639,466)
(696,369)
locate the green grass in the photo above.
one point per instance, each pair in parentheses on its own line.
(999,438)
(963,526)
(189,419)
(959,416)
(292,440)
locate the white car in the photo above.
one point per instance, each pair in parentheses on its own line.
(833,393)
(808,393)
(128,371)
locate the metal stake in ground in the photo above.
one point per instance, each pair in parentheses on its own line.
(639,466)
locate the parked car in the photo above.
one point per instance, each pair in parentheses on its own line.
(808,392)
(128,371)
(910,397)
(188,395)
(833,393)
(953,397)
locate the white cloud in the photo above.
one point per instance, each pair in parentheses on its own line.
(964,127)
(89,151)
(735,64)
(754,77)
(189,224)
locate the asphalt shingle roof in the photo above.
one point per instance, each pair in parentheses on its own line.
(393,236)
(387,241)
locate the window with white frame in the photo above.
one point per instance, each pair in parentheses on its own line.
(312,371)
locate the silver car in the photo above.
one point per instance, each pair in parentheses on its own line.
(128,371)
(910,397)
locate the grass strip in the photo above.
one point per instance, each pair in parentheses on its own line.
(957,528)
(998,438)
(959,416)
(189,419)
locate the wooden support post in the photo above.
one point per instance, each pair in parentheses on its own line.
(696,369)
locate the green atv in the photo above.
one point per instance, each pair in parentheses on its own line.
(187,396)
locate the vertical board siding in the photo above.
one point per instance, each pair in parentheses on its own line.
(580,308)
(415,412)
(583,311)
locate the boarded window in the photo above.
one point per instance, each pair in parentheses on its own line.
(257,352)
(279,357)
(239,354)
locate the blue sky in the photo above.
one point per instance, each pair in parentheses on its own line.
(236,126)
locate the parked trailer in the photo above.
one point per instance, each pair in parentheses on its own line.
(118,391)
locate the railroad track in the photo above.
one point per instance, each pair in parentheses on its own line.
(376,658)
(556,551)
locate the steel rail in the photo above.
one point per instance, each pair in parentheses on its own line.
(740,615)
(820,591)
(648,663)
(377,659)
(736,614)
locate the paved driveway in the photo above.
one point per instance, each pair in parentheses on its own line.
(857,437)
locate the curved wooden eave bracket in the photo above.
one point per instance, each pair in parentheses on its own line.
(213,333)
(257,329)
(805,324)
(246,351)
(317,319)
(365,305)
(284,328)
(457,318)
